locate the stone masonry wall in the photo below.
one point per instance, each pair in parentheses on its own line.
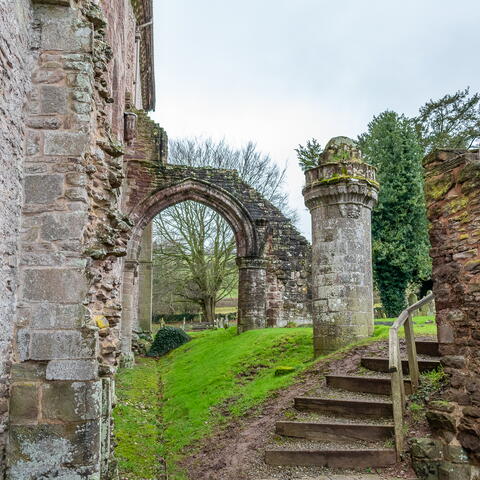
(452,188)
(72,237)
(15,64)
(287,251)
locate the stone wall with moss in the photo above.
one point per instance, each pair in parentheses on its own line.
(287,251)
(68,313)
(340,193)
(452,189)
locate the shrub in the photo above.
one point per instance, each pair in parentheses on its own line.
(167,339)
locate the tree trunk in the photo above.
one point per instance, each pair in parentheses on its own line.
(208,309)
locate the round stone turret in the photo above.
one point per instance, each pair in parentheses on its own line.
(340,194)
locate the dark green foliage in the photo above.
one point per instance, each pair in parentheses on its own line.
(308,155)
(167,339)
(453,121)
(399,224)
(189,317)
(174,317)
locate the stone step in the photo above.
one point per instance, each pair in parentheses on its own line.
(359,458)
(367,408)
(364,384)
(425,347)
(334,431)
(381,364)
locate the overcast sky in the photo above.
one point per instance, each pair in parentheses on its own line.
(279,72)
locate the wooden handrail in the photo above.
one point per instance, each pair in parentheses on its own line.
(405,319)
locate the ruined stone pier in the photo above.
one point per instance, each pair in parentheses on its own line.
(340,194)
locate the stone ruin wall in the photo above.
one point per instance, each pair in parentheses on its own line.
(452,188)
(72,232)
(287,251)
(62,128)
(15,64)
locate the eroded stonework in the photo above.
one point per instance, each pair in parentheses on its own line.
(16,60)
(274,259)
(69,72)
(452,189)
(340,194)
(75,75)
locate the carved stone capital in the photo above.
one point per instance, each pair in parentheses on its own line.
(350,183)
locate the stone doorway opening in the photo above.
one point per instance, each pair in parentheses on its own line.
(187,264)
(205,208)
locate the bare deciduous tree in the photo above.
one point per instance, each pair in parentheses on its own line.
(197,247)
(195,243)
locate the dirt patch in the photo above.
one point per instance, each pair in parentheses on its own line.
(236,451)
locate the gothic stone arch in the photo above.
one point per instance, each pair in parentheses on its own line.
(273,258)
(67,236)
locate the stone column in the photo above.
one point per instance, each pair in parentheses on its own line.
(340,194)
(130,273)
(252,282)
(145,282)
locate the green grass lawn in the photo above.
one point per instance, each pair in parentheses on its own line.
(137,416)
(166,405)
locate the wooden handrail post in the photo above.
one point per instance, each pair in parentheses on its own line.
(401,382)
(396,368)
(412,352)
(397,402)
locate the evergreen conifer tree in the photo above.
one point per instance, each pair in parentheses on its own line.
(399,224)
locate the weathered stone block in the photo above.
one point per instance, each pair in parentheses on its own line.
(65,3)
(445,333)
(455,454)
(59,345)
(28,371)
(71,401)
(44,123)
(43,189)
(426,469)
(65,143)
(54,285)
(53,99)
(40,451)
(24,403)
(453,361)
(62,226)
(426,448)
(442,424)
(76,178)
(72,370)
(47,315)
(48,76)
(77,194)
(32,143)
(452,471)
(62,29)
(108,386)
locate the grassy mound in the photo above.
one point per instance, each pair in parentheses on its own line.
(167,404)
